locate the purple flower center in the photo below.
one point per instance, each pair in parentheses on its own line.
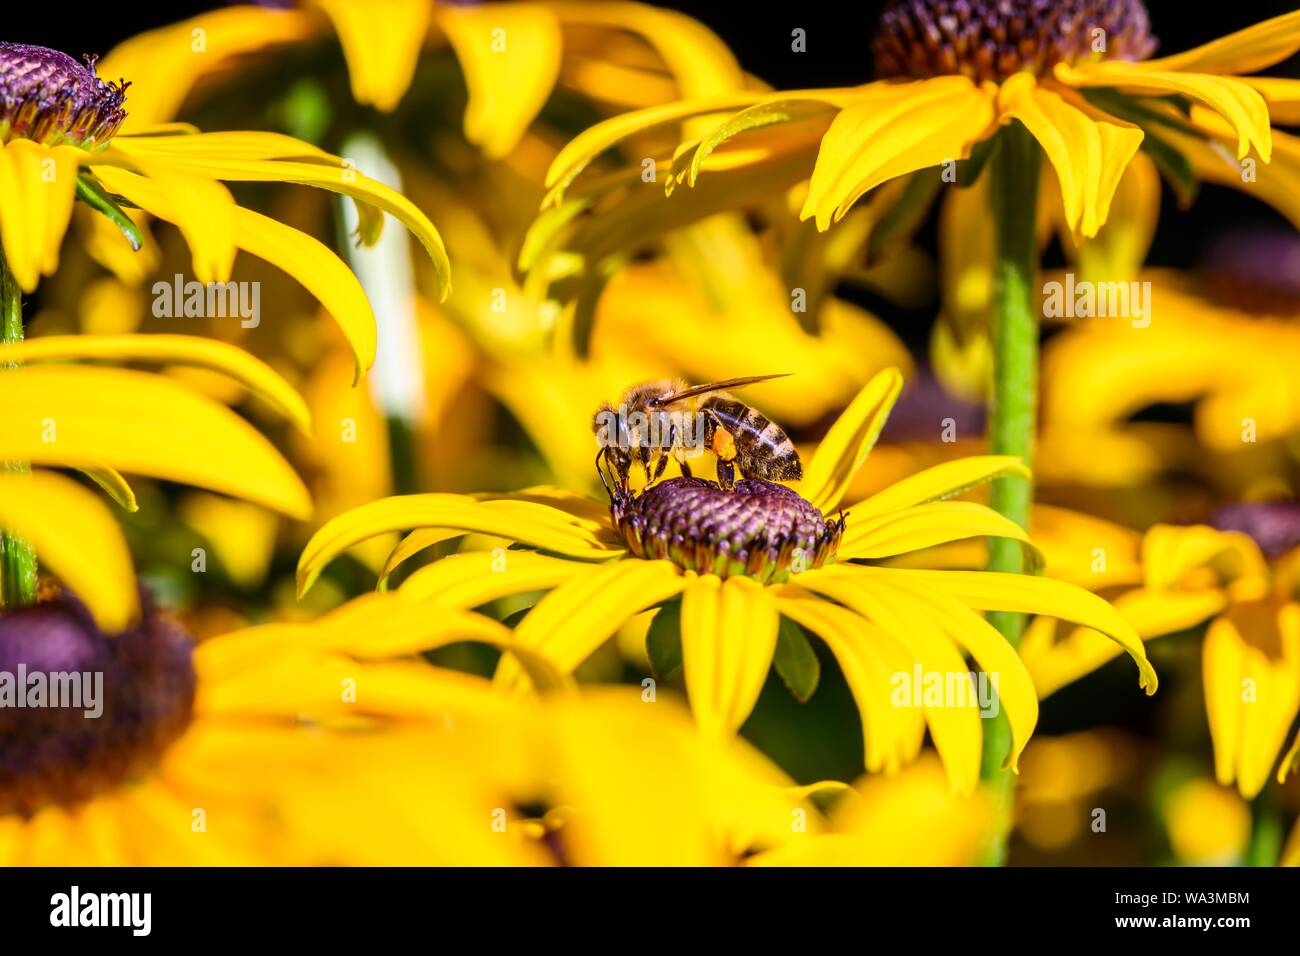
(57,669)
(759,529)
(1275,525)
(49,97)
(993,39)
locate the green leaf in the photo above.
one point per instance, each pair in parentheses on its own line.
(663,641)
(1174,166)
(795,661)
(968,170)
(94,195)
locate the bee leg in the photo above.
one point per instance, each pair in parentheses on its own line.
(600,457)
(726,475)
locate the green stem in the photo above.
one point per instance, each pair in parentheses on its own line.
(1013,408)
(17,559)
(1266,830)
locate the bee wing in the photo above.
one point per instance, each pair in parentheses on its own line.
(716,387)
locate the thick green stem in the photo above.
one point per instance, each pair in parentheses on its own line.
(17,559)
(1013,411)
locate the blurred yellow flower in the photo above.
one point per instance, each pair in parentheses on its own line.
(1177,578)
(285,744)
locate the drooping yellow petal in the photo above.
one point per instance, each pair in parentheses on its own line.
(442,511)
(1055,663)
(577,617)
(249,371)
(848,442)
(469,580)
(788,108)
(37,186)
(1245,51)
(996,657)
(164,64)
(924,526)
(1282,96)
(1173,554)
(74,533)
(868,655)
(892,129)
(728,639)
(941,481)
(138,423)
(510,54)
(1252,691)
(701,63)
(235,165)
(1027,594)
(199,206)
(320,271)
(114,485)
(1121,245)
(1232,99)
(954,724)
(1089,155)
(381,41)
(590,143)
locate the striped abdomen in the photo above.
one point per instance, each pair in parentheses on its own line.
(763,450)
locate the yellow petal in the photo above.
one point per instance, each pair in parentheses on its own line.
(577,617)
(924,526)
(1232,99)
(233,164)
(954,725)
(381,41)
(320,271)
(1121,245)
(230,360)
(138,423)
(442,511)
(728,639)
(75,534)
(1055,663)
(201,208)
(848,442)
(510,54)
(470,580)
(1282,96)
(701,63)
(114,485)
(1245,51)
(789,108)
(892,129)
(941,481)
(37,186)
(868,655)
(164,64)
(1089,155)
(590,143)
(1026,594)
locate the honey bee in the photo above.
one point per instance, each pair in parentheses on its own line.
(667,418)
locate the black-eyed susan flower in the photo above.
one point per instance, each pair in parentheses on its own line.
(62,140)
(1005,83)
(1076,75)
(1178,577)
(742,562)
(320,743)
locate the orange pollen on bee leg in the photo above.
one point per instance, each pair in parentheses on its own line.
(723,445)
